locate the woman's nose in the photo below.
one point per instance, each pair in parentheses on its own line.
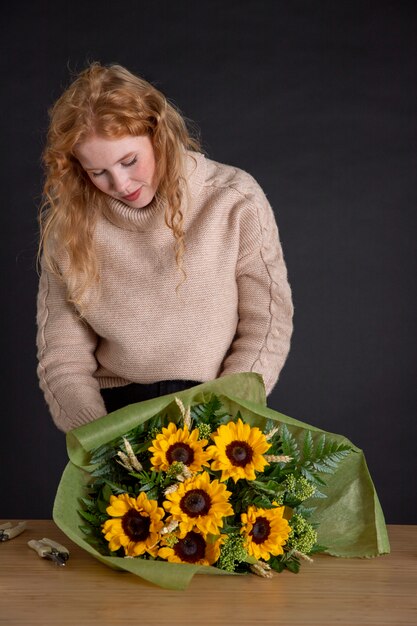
(119,181)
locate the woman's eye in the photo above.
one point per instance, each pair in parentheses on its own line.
(132,162)
(129,164)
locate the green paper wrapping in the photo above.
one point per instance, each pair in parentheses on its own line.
(351,521)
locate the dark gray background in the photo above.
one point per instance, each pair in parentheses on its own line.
(317,100)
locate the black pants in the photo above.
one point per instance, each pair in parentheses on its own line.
(117,397)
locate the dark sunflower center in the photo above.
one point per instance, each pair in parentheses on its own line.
(239,453)
(261,530)
(135,525)
(191,548)
(195,502)
(181,453)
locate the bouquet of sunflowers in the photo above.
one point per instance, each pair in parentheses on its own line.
(205,481)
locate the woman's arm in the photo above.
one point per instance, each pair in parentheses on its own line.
(265,309)
(66,347)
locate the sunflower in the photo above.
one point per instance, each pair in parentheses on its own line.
(238,450)
(179,445)
(134,525)
(199,503)
(265,530)
(191,547)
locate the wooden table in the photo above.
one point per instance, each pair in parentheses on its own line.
(351,592)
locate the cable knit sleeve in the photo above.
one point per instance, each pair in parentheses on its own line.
(67,363)
(262,340)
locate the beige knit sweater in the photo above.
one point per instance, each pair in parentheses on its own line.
(233,313)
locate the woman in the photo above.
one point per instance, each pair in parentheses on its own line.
(160,268)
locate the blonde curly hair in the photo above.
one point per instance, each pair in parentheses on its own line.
(111,102)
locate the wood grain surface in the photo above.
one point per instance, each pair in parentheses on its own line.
(330,591)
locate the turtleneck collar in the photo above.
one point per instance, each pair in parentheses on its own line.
(152,216)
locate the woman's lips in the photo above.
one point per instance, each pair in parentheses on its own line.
(133,196)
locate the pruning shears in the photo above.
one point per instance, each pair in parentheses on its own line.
(48,549)
(8,531)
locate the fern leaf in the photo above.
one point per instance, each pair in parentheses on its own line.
(262,502)
(289,444)
(330,458)
(311,476)
(88,503)
(209,412)
(322,467)
(106,492)
(304,510)
(308,446)
(319,494)
(271,487)
(153,493)
(320,445)
(90,517)
(116,488)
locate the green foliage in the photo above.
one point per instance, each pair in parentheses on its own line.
(210,412)
(286,561)
(232,553)
(317,548)
(253,493)
(324,459)
(151,483)
(289,444)
(311,459)
(303,536)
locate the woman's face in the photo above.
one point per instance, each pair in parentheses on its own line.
(122,168)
